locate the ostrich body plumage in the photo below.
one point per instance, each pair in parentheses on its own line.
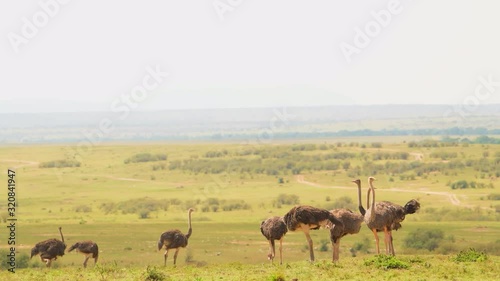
(385,216)
(175,239)
(49,249)
(304,218)
(87,248)
(274,228)
(351,222)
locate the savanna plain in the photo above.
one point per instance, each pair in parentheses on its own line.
(124,195)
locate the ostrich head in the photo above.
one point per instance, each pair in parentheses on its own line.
(76,245)
(371,179)
(160,245)
(34,252)
(357,181)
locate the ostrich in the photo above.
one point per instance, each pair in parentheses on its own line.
(174,239)
(305,218)
(274,228)
(385,216)
(352,224)
(49,249)
(88,248)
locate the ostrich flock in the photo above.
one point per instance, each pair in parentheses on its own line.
(379,216)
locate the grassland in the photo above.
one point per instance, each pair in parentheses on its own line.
(125,205)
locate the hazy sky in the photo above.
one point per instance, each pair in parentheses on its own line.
(92,54)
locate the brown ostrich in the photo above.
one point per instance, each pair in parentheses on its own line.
(175,239)
(305,218)
(274,228)
(88,248)
(352,224)
(385,216)
(49,249)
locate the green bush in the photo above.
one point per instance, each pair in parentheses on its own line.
(141,206)
(494,196)
(83,209)
(60,164)
(362,246)
(286,199)
(470,255)
(424,239)
(386,262)
(21,260)
(145,157)
(463,184)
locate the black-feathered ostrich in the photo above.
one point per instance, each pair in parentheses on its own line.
(175,239)
(384,216)
(352,224)
(305,218)
(274,228)
(88,248)
(49,249)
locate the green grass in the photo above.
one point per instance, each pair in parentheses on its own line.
(229,245)
(419,268)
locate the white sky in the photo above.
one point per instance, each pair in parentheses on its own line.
(262,53)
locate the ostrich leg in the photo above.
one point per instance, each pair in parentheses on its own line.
(376,240)
(165,257)
(309,240)
(273,250)
(281,250)
(175,255)
(336,249)
(85,262)
(270,255)
(386,241)
(391,246)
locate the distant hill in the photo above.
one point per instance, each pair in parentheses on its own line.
(227,124)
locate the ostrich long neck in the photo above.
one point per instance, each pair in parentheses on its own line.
(360,205)
(62,237)
(190,230)
(368,194)
(372,189)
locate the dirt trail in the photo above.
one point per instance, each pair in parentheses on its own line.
(22,163)
(122,179)
(451,197)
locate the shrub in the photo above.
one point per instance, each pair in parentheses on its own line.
(342,202)
(386,262)
(286,199)
(494,196)
(83,209)
(60,164)
(145,157)
(235,205)
(154,274)
(21,260)
(141,206)
(324,245)
(470,255)
(362,246)
(424,239)
(160,166)
(463,184)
